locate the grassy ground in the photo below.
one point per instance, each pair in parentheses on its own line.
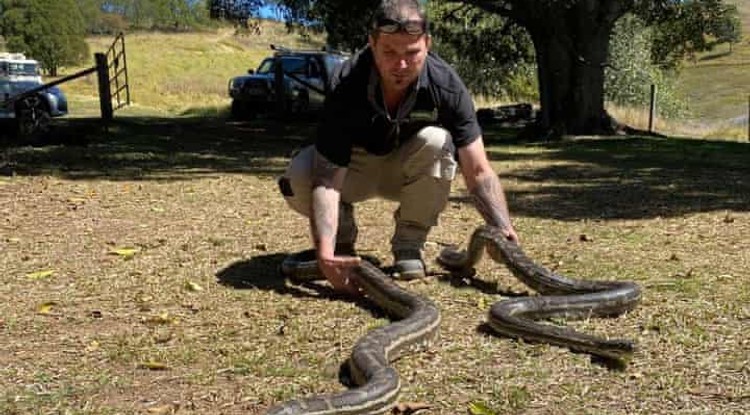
(140,277)
(716,84)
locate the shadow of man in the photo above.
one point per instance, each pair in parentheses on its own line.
(263,272)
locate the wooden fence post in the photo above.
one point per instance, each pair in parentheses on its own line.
(652,109)
(278,82)
(105,96)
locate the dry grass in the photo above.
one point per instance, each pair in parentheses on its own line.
(699,129)
(196,199)
(716,84)
(180,73)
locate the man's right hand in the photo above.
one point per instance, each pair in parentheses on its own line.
(339,271)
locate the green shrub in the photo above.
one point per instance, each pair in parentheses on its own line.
(631,72)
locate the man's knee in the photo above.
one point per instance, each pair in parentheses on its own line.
(432,153)
(434,140)
(296,183)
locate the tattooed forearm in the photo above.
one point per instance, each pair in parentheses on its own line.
(489,200)
(327,179)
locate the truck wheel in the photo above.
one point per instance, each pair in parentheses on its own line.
(32,120)
(302,104)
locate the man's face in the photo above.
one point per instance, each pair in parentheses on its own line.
(399,58)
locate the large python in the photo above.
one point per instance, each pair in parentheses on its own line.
(369,363)
(561,296)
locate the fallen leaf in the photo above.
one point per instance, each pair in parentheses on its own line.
(125,253)
(153,365)
(161,319)
(46,308)
(39,275)
(162,409)
(478,408)
(191,286)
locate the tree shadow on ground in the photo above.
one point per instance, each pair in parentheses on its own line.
(626,178)
(584,178)
(152,148)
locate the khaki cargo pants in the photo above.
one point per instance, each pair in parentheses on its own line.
(418,175)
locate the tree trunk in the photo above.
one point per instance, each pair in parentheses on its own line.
(572,50)
(571,39)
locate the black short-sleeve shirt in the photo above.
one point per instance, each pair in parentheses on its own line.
(352,118)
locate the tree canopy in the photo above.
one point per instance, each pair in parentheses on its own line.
(50,31)
(493,56)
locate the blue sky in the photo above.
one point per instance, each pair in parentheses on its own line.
(268,12)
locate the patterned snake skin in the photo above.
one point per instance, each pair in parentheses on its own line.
(378,382)
(561,296)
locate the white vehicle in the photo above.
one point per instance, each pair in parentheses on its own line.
(19,74)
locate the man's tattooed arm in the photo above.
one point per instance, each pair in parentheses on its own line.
(327,180)
(485,188)
(489,200)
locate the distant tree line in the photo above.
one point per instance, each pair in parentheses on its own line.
(112,16)
(53,31)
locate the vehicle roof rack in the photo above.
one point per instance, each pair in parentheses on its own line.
(284,49)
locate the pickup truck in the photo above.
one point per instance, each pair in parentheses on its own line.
(304,82)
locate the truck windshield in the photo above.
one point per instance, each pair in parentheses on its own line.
(290,64)
(19,68)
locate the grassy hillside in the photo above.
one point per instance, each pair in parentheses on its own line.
(182,73)
(718,82)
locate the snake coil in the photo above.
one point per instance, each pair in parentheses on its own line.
(561,296)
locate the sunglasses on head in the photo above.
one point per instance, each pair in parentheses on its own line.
(412,27)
